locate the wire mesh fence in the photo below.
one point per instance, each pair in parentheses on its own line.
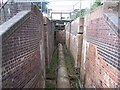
(11,8)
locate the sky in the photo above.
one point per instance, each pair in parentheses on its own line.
(65,5)
(68,4)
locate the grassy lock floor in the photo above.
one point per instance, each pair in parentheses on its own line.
(51,73)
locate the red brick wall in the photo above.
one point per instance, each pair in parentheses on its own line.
(74,32)
(102,61)
(100,57)
(99,73)
(23,56)
(60,36)
(49,40)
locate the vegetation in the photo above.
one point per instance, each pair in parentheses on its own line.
(53,64)
(95,5)
(51,71)
(69,62)
(83,12)
(50,85)
(71,69)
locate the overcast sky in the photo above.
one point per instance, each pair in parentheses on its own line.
(65,5)
(68,4)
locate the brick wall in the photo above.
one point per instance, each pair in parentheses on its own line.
(102,61)
(60,36)
(74,35)
(100,57)
(49,40)
(23,52)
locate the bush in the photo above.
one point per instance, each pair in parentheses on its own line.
(82,12)
(95,5)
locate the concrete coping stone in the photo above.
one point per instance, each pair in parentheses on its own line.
(113,18)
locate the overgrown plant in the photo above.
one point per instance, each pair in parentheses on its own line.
(83,12)
(95,5)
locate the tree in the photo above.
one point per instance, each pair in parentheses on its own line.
(82,12)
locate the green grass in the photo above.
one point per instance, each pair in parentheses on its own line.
(70,66)
(69,62)
(50,85)
(51,71)
(53,64)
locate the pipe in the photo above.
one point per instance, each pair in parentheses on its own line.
(62,79)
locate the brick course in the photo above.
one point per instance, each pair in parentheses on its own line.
(49,40)
(100,59)
(102,63)
(23,51)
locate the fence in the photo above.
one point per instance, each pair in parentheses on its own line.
(10,8)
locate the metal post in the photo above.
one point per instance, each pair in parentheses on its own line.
(80,4)
(51,15)
(70,16)
(119,19)
(41,6)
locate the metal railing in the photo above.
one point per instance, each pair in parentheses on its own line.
(11,8)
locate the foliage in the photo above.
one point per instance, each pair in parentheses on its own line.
(53,64)
(95,5)
(79,13)
(82,12)
(69,62)
(50,85)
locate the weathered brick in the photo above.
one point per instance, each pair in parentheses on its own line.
(23,51)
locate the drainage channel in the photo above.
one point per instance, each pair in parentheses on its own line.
(61,72)
(62,77)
